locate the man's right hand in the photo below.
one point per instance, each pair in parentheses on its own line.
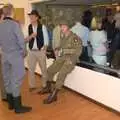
(33,35)
(56,52)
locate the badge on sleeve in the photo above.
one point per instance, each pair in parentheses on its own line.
(76,39)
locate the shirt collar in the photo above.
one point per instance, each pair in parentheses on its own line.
(78,23)
(8,18)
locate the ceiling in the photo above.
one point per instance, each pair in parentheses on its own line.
(80,2)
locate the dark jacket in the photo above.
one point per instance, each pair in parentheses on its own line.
(39,38)
(109,28)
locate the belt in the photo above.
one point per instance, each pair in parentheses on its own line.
(35,50)
(101,55)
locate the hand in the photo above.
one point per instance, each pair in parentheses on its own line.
(33,35)
(24,53)
(44,49)
(56,52)
(68,61)
(27,39)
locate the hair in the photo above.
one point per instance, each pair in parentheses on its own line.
(8,10)
(108,12)
(118,8)
(1,13)
(86,18)
(95,23)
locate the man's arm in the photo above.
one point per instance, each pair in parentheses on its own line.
(45,36)
(20,37)
(76,45)
(33,35)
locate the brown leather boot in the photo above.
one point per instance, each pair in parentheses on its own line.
(47,89)
(52,97)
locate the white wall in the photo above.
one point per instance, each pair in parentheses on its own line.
(97,86)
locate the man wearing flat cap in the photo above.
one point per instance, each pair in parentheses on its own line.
(71,48)
(38,42)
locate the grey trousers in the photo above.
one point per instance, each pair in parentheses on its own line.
(13,73)
(35,57)
(2,87)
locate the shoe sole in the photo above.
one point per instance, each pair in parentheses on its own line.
(50,101)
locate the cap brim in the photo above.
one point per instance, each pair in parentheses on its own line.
(34,14)
(29,14)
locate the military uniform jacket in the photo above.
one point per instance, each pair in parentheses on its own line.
(71,47)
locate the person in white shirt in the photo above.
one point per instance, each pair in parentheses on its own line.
(98,39)
(83,33)
(38,42)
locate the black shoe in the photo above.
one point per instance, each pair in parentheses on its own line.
(47,89)
(52,97)
(4,99)
(10,101)
(18,106)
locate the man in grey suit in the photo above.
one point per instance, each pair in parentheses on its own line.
(12,44)
(2,88)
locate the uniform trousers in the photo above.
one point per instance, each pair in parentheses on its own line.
(61,66)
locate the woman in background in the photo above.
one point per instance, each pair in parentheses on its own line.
(98,39)
(2,88)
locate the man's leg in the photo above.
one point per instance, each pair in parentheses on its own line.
(64,71)
(6,70)
(17,76)
(52,70)
(6,76)
(41,56)
(32,61)
(46,86)
(2,87)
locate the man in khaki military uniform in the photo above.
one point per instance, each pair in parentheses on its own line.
(71,48)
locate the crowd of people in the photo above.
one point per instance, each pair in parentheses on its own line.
(12,43)
(100,38)
(100,50)
(91,39)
